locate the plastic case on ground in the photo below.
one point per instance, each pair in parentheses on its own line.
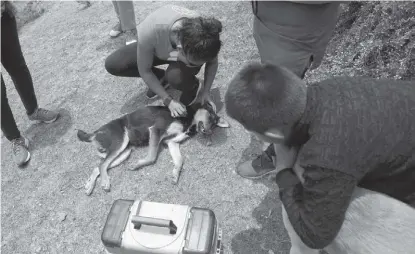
(143,227)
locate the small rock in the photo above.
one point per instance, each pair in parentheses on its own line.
(38,249)
(270,252)
(61,216)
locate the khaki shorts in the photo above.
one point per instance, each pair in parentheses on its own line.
(298,46)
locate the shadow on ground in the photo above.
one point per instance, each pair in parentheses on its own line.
(138,100)
(43,135)
(271,237)
(253,149)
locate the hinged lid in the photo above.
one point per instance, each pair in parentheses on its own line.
(156,225)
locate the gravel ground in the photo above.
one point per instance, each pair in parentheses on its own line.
(44,208)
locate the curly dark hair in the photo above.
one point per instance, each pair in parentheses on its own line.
(200,37)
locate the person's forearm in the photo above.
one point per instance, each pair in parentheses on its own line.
(316,209)
(211,69)
(154,84)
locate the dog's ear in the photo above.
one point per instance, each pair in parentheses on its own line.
(210,106)
(222,123)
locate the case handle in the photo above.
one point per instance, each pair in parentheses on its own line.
(141,220)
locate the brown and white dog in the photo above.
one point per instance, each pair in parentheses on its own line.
(149,125)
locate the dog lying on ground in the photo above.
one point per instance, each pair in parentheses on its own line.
(149,125)
(374,224)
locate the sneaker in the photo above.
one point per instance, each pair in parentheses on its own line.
(116,30)
(44,115)
(131,36)
(151,95)
(263,165)
(20,150)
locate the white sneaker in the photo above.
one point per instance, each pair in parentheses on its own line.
(21,150)
(131,36)
(116,30)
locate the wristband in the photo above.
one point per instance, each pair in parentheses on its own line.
(167,100)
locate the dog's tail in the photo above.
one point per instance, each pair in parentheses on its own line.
(85,137)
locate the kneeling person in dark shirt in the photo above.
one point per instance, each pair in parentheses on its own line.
(348,131)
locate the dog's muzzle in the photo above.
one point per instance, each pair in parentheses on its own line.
(201,129)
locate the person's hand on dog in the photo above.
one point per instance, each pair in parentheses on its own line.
(177,109)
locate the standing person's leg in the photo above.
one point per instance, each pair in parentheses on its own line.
(15,64)
(8,124)
(116,30)
(296,47)
(10,130)
(13,61)
(126,18)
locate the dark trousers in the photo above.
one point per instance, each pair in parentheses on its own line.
(13,61)
(123,62)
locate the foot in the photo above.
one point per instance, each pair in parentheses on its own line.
(116,30)
(176,175)
(21,150)
(90,183)
(263,165)
(151,95)
(105,184)
(44,115)
(131,36)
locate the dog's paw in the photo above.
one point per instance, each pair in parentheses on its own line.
(174,180)
(175,177)
(89,187)
(106,185)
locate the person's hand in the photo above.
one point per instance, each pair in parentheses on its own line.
(286,156)
(177,109)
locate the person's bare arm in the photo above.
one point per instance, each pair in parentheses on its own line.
(211,69)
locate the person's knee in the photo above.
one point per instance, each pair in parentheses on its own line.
(111,65)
